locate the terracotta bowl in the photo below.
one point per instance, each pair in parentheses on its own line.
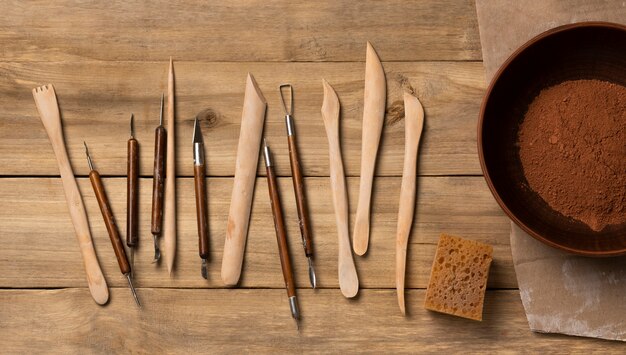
(588,50)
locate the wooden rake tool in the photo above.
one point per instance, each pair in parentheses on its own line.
(46,101)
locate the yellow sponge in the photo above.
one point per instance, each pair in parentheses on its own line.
(458,278)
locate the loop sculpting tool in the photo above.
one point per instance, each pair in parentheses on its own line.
(281,233)
(109,222)
(298,183)
(132,193)
(201,197)
(158,183)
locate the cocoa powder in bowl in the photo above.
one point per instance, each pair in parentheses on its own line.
(572,146)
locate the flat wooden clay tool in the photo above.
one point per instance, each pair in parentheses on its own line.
(109,222)
(252,119)
(413,126)
(46,101)
(281,233)
(132,193)
(158,183)
(373,119)
(169,222)
(348,279)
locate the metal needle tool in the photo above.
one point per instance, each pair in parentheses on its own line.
(158,183)
(132,194)
(109,221)
(281,234)
(298,183)
(201,198)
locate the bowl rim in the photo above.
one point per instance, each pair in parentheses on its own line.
(496,77)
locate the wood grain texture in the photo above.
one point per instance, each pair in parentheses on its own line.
(35,320)
(35,208)
(95,100)
(255,30)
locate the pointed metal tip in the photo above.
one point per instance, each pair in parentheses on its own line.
(204,270)
(132,125)
(265,143)
(312,277)
(197,133)
(157,251)
(161,112)
(132,290)
(89,162)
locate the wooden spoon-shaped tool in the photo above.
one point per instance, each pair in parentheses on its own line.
(348,279)
(373,119)
(414,123)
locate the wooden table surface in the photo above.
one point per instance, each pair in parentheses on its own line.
(108,59)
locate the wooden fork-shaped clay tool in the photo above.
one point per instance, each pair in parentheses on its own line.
(373,119)
(413,126)
(252,119)
(46,101)
(348,279)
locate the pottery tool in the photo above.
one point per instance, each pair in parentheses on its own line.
(348,279)
(201,203)
(373,119)
(48,108)
(298,183)
(109,222)
(252,120)
(158,183)
(132,193)
(281,233)
(414,123)
(169,222)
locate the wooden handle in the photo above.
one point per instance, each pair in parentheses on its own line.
(51,119)
(414,123)
(252,119)
(169,212)
(281,233)
(109,222)
(158,182)
(375,94)
(201,210)
(298,188)
(348,278)
(132,193)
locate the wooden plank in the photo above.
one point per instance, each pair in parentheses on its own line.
(258,321)
(97,98)
(239,31)
(38,247)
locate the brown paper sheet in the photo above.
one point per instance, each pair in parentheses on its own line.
(561,293)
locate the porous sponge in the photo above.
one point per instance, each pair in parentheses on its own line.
(458,278)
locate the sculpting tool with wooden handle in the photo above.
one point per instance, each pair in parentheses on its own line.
(201,203)
(413,126)
(281,234)
(47,106)
(158,183)
(348,279)
(373,119)
(169,222)
(298,184)
(132,194)
(252,119)
(109,222)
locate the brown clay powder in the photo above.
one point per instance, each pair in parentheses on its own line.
(572,145)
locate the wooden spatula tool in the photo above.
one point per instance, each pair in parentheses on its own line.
(348,279)
(413,126)
(252,120)
(46,101)
(373,118)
